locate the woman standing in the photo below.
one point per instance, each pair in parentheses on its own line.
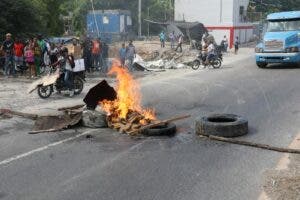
(37,56)
(29,58)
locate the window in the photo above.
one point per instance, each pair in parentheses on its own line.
(105,20)
(283,25)
(129,21)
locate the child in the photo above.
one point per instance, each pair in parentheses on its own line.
(29,58)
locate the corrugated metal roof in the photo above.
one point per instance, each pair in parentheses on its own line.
(125,12)
(284,15)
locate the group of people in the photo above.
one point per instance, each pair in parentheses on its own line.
(127,54)
(95,55)
(172,38)
(16,53)
(224,44)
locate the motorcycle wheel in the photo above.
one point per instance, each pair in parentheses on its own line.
(216,63)
(196,64)
(44,91)
(78,85)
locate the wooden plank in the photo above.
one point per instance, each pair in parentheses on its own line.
(252,144)
(20,114)
(71,107)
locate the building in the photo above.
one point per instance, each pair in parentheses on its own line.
(221,17)
(110,25)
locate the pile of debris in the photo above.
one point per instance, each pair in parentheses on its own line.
(118,108)
(125,113)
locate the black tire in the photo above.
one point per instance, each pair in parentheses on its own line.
(216,63)
(44,91)
(78,85)
(196,64)
(261,64)
(225,125)
(165,130)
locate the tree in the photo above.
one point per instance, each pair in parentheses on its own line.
(18,17)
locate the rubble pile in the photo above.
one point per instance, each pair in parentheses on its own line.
(125,113)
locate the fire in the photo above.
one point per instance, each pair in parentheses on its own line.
(128,99)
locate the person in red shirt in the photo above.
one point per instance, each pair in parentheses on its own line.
(18,52)
(96,54)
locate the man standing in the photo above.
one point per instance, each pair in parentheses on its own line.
(224,43)
(87,46)
(18,51)
(122,54)
(180,41)
(130,55)
(104,56)
(172,39)
(236,45)
(7,47)
(96,54)
(162,38)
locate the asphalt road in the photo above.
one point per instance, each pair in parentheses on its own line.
(111,166)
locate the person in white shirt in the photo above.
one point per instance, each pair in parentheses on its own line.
(180,41)
(210,52)
(67,64)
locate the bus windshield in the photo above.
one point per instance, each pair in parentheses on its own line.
(283,25)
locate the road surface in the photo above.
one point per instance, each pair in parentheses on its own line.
(110,166)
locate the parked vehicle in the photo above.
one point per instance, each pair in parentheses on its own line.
(59,85)
(215,61)
(21,68)
(281,41)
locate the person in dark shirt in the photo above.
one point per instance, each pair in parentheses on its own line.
(105,49)
(87,54)
(8,48)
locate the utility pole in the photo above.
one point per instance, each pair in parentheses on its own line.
(148,23)
(140,18)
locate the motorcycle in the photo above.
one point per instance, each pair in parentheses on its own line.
(21,68)
(215,61)
(78,82)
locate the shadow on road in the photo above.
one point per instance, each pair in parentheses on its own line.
(283,66)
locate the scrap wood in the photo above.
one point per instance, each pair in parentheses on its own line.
(71,107)
(252,144)
(55,123)
(158,124)
(49,79)
(17,113)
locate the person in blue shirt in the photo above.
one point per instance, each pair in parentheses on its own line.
(162,37)
(122,54)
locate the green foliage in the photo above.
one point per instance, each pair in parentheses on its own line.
(28,17)
(269,6)
(160,10)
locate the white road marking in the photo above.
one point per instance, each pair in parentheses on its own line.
(23,155)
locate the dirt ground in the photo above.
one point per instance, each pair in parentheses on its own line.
(284,182)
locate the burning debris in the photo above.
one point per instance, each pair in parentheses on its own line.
(125,113)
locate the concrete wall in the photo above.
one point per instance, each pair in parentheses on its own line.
(244,34)
(221,17)
(212,12)
(237,18)
(219,35)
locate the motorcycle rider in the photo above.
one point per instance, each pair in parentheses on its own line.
(210,52)
(67,64)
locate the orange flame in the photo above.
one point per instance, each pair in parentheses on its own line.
(128,95)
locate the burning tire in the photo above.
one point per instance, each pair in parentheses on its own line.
(225,125)
(163,130)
